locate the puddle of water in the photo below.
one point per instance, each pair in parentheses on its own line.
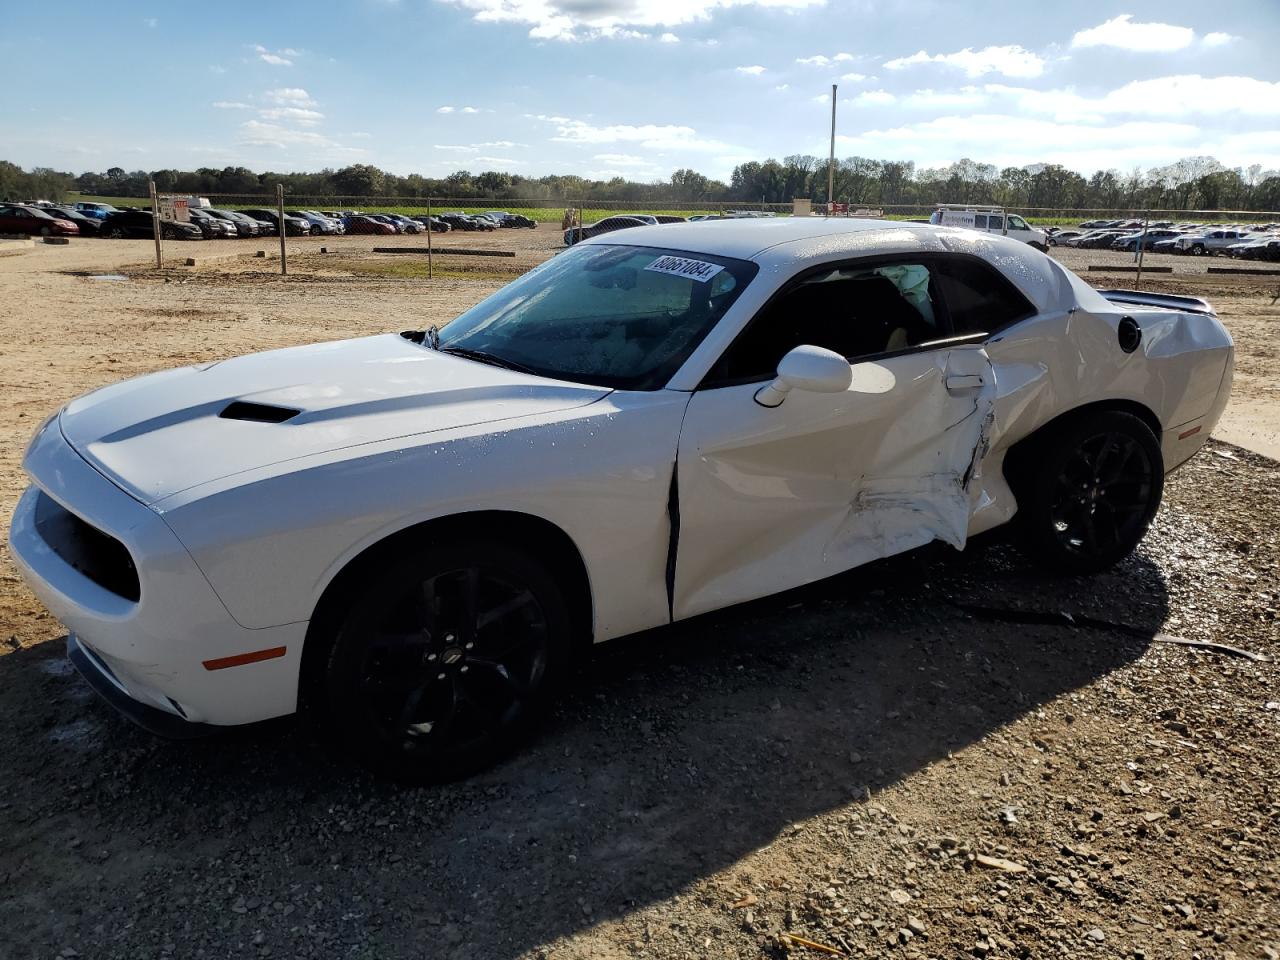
(108,276)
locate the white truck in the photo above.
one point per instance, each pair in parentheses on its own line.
(1211,241)
(989,220)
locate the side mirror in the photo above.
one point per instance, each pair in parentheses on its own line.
(807,368)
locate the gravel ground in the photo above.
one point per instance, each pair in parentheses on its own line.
(920,758)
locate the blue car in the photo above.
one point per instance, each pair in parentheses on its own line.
(98,211)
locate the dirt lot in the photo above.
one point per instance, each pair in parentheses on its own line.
(920,758)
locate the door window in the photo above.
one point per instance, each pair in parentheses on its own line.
(1017,223)
(857,311)
(995,223)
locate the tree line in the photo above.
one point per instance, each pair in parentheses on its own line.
(1191,183)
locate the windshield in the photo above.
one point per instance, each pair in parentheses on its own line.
(608,315)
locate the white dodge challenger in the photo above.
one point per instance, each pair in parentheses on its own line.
(413,535)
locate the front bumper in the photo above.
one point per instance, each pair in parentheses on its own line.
(159,647)
(159,722)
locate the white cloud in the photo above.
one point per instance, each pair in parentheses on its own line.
(622,160)
(820,60)
(1009,61)
(1010,139)
(296,114)
(279,58)
(649,136)
(232,105)
(873,98)
(594,19)
(946,99)
(470,110)
(1179,96)
(855,77)
(1123,33)
(151,22)
(290,96)
(782,86)
(455,147)
(445,109)
(1217,39)
(754,70)
(255,133)
(502,161)
(669,38)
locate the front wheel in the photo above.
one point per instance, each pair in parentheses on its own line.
(445,657)
(1087,492)
(1197,251)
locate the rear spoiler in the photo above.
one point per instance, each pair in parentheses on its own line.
(1167,300)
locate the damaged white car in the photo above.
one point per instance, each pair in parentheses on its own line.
(413,535)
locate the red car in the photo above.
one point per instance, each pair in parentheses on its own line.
(18,218)
(367,225)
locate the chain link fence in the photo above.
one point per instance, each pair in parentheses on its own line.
(552,211)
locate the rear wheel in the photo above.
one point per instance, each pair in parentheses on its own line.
(444,658)
(1087,491)
(1197,251)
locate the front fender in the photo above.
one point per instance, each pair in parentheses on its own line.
(271,542)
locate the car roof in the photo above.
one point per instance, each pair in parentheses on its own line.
(789,243)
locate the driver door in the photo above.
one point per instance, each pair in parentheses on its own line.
(772,498)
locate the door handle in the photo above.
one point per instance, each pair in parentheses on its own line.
(959,382)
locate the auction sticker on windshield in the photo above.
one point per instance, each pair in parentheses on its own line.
(684,267)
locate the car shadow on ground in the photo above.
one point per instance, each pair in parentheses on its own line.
(678,753)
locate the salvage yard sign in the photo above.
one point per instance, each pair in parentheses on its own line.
(174,208)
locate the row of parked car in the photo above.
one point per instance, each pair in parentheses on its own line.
(212,223)
(1243,241)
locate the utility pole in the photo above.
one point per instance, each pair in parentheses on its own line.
(831,160)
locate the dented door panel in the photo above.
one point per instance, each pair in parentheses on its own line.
(774,498)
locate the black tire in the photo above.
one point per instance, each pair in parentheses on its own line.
(46,231)
(442,658)
(1087,491)
(115,233)
(1197,251)
(315,230)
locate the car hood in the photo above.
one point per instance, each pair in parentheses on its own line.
(160,434)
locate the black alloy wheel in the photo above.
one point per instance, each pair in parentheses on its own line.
(1090,492)
(445,664)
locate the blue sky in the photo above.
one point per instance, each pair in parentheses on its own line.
(607,87)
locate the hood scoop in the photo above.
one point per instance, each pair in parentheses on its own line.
(257,412)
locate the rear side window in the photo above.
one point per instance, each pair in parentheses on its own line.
(978,298)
